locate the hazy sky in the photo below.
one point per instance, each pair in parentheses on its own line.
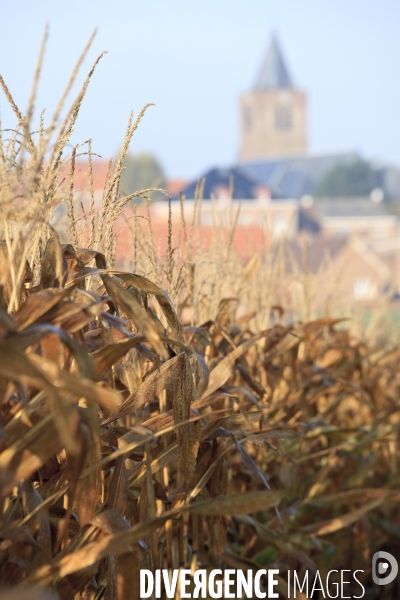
(193,59)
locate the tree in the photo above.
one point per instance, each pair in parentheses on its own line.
(355,179)
(142,171)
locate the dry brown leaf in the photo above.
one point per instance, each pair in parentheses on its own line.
(85,255)
(16,366)
(80,387)
(37,305)
(118,487)
(154,384)
(139,433)
(88,487)
(226,311)
(110,521)
(30,452)
(128,577)
(180,394)
(344,521)
(250,464)
(111,545)
(53,267)
(108,355)
(238,504)
(80,274)
(137,313)
(40,524)
(145,285)
(123,542)
(223,370)
(323,322)
(35,333)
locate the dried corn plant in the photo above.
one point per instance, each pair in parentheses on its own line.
(200,267)
(131,438)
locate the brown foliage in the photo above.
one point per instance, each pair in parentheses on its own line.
(131,438)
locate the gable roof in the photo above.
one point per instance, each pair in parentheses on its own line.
(244,184)
(295,176)
(274,74)
(315,252)
(371,257)
(320,251)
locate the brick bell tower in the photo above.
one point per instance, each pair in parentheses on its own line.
(274,113)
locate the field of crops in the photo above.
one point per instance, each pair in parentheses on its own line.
(147,424)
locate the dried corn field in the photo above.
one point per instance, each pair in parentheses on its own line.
(138,433)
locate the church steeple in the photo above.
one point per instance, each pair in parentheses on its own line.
(273,113)
(274,74)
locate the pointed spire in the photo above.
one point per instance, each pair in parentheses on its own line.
(274,74)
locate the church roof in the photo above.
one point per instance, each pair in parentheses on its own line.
(274,74)
(293,177)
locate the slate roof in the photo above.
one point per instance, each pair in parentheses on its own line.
(285,177)
(293,177)
(274,74)
(244,184)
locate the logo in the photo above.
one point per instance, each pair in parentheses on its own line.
(384,568)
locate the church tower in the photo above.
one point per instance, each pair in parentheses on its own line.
(274,113)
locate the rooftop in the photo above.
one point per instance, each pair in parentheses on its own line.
(244,184)
(274,74)
(351,207)
(293,177)
(311,254)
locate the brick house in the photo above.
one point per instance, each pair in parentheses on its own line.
(359,217)
(349,266)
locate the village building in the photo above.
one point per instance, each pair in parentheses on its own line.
(268,198)
(273,113)
(349,217)
(273,146)
(348,267)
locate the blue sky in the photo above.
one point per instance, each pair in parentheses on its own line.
(193,59)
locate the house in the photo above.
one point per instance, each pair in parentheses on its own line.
(388,250)
(367,217)
(351,217)
(223,192)
(347,267)
(274,132)
(276,218)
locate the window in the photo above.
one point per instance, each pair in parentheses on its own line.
(283,117)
